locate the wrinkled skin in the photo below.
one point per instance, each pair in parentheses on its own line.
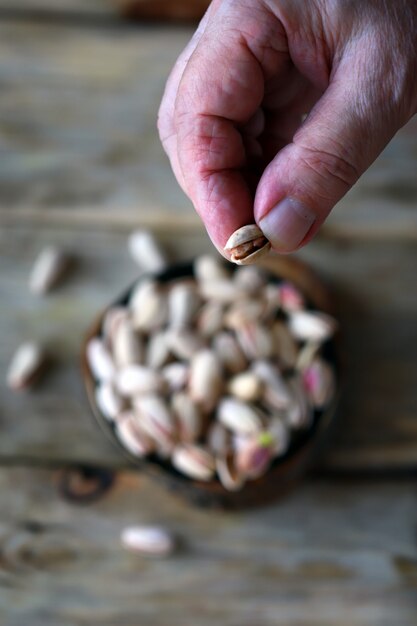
(231,119)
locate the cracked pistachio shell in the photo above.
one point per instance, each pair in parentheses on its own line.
(229,475)
(134,438)
(247,245)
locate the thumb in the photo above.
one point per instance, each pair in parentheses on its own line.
(344,133)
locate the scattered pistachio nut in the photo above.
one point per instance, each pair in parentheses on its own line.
(148,540)
(247,245)
(48,269)
(146,251)
(26,364)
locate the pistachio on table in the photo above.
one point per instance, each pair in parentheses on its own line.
(25,366)
(215,373)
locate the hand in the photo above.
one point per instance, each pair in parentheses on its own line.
(232,119)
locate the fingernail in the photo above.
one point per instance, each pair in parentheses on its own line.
(287,224)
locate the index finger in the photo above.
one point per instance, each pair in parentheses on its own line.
(221,89)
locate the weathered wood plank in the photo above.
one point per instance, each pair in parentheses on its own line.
(375,290)
(78,131)
(59,7)
(331,554)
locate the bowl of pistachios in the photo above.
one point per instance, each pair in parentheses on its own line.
(222,381)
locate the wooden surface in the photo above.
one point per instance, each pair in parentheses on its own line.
(81,166)
(351,561)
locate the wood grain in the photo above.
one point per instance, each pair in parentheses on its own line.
(377,427)
(352,560)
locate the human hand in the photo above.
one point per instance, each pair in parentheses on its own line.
(231,120)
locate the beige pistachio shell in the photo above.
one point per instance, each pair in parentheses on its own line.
(149,307)
(176,376)
(48,269)
(158,352)
(218,439)
(208,268)
(210,319)
(319,382)
(285,347)
(223,290)
(128,348)
(183,303)
(206,380)
(238,416)
(246,386)
(146,251)
(157,421)
(229,353)
(312,326)
(100,360)
(251,279)
(255,340)
(184,344)
(299,414)
(134,438)
(112,318)
(134,380)
(148,540)
(188,416)
(25,366)
(247,245)
(279,432)
(276,393)
(109,401)
(291,298)
(229,476)
(252,458)
(194,461)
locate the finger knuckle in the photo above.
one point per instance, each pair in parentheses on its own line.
(330,166)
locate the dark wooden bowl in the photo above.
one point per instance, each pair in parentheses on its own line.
(304,448)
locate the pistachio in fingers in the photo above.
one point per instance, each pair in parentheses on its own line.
(247,245)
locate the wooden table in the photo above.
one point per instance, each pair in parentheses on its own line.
(81,166)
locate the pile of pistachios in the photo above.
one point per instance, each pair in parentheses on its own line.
(216,372)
